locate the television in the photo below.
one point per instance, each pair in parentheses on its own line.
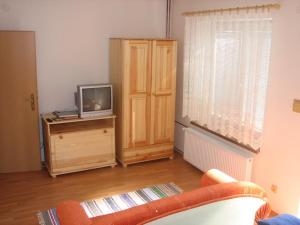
(94,100)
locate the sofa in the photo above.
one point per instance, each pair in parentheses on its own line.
(220,200)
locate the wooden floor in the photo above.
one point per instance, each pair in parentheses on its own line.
(23,194)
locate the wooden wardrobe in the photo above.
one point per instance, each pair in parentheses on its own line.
(143,74)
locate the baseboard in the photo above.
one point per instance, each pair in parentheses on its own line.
(178,151)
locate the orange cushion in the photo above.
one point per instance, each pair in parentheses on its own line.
(71,213)
(214,176)
(156,209)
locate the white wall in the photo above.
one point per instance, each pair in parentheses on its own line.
(279,160)
(72,39)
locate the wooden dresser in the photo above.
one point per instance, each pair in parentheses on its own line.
(143,74)
(78,144)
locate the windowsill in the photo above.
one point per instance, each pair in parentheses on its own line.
(248,148)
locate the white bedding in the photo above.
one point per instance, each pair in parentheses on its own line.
(236,211)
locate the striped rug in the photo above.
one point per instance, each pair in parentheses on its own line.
(115,203)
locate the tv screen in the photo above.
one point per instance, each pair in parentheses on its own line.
(94,100)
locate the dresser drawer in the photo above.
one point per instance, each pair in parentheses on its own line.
(82,148)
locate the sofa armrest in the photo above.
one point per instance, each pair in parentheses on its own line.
(71,213)
(156,209)
(214,176)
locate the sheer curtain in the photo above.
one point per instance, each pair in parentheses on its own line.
(226,62)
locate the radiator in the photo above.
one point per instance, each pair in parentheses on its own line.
(206,152)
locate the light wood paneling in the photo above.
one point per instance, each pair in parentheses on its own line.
(163,119)
(139,130)
(136,95)
(164,76)
(116,68)
(138,60)
(82,148)
(80,144)
(147,153)
(22,195)
(145,81)
(19,131)
(164,66)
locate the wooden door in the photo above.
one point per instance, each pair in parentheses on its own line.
(19,132)
(164,54)
(136,93)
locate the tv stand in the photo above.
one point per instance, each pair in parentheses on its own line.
(73,145)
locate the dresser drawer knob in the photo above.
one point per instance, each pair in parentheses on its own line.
(104,131)
(61,137)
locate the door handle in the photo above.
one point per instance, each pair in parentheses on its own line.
(32,102)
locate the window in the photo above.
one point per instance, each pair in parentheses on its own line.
(226,67)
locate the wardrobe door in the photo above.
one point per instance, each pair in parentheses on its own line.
(163,90)
(136,93)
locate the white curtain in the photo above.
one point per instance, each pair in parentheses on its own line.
(226,62)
